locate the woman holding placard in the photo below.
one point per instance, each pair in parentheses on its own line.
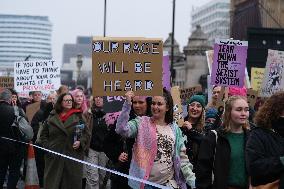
(159,154)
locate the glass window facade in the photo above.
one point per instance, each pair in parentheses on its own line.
(22,36)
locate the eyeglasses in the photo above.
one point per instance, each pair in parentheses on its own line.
(195,104)
(68,101)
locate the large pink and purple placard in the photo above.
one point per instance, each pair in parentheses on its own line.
(229,63)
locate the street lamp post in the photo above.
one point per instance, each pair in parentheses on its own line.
(105,9)
(172,45)
(79,63)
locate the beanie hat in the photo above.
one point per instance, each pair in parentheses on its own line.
(5,95)
(197,98)
(211,113)
(237,91)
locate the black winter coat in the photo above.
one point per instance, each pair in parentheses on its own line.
(7,117)
(205,159)
(194,138)
(99,131)
(40,116)
(114,145)
(263,152)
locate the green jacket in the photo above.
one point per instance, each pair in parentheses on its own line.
(57,136)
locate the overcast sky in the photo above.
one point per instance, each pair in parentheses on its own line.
(125,18)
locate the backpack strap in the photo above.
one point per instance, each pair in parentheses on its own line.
(216,138)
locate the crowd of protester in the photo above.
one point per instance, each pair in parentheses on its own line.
(239,147)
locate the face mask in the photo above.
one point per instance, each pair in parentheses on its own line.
(278,126)
(209,125)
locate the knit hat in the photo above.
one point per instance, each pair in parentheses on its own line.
(197,98)
(237,91)
(211,113)
(5,95)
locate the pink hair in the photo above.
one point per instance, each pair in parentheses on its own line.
(84,106)
(235,91)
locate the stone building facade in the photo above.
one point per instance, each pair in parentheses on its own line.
(190,66)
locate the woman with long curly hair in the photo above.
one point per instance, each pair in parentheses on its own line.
(265,148)
(223,152)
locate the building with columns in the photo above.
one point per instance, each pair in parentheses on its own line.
(179,61)
(190,66)
(196,62)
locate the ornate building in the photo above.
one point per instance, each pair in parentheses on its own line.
(196,63)
(179,61)
(190,66)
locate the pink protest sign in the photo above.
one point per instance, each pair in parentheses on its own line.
(112,107)
(229,63)
(166,72)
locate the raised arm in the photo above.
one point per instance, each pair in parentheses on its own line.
(124,127)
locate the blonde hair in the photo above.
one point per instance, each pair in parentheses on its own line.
(227,113)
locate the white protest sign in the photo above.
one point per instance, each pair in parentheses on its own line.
(43,75)
(273,80)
